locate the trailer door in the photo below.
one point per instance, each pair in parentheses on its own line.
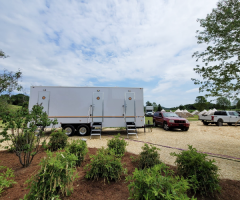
(43,98)
(130,106)
(97,110)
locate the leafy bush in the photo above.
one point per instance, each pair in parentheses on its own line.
(5,178)
(118,145)
(79,149)
(148,157)
(25,143)
(149,183)
(55,177)
(58,140)
(202,173)
(104,164)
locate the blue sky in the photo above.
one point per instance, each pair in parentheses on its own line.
(125,43)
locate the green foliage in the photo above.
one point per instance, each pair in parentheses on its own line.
(19,99)
(149,156)
(9,81)
(58,140)
(148,103)
(6,178)
(3,55)
(181,107)
(200,172)
(79,149)
(55,178)
(200,103)
(25,140)
(223,103)
(220,72)
(159,108)
(151,184)
(104,164)
(117,145)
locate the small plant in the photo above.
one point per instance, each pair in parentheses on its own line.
(55,178)
(201,173)
(149,183)
(79,149)
(118,145)
(6,178)
(58,140)
(148,157)
(105,164)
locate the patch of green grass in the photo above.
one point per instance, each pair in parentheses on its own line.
(195,118)
(150,119)
(14,108)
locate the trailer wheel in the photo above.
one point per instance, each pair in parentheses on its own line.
(70,130)
(83,130)
(219,122)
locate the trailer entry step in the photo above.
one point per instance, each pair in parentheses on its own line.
(131,128)
(96,129)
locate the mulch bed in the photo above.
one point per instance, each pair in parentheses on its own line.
(88,189)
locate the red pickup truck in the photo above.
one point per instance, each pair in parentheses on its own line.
(169,120)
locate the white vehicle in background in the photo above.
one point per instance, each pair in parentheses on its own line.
(86,110)
(220,117)
(149,111)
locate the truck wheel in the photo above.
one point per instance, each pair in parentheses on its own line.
(165,126)
(83,130)
(219,123)
(230,124)
(70,130)
(205,123)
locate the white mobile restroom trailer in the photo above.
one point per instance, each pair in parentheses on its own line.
(86,110)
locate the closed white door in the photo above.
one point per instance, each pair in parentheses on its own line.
(130,106)
(97,107)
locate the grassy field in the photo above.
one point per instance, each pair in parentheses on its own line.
(12,108)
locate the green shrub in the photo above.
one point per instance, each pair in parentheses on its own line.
(104,164)
(6,178)
(55,178)
(118,145)
(202,173)
(149,183)
(149,157)
(58,140)
(79,149)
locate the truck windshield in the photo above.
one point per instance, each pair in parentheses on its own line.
(169,114)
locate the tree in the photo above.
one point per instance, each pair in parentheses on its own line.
(181,107)
(222,35)
(159,107)
(200,103)
(148,103)
(9,81)
(238,104)
(3,55)
(155,107)
(223,103)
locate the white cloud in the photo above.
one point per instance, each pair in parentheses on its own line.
(70,42)
(193,90)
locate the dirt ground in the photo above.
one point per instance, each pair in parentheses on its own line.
(94,190)
(223,140)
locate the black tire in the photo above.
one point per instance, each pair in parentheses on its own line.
(165,126)
(205,123)
(219,123)
(83,130)
(70,130)
(230,124)
(185,128)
